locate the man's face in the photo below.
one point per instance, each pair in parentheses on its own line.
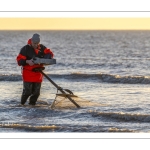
(34,44)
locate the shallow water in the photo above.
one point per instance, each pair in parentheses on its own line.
(108,68)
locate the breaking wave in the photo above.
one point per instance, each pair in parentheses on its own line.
(88,77)
(63,128)
(122,116)
(29,127)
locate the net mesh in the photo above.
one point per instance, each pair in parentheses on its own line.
(62,102)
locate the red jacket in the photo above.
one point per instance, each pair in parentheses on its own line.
(28,52)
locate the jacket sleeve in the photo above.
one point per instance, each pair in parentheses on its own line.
(48,54)
(21,58)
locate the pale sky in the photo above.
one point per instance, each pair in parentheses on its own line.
(74,23)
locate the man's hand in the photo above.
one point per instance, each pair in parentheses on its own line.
(30,62)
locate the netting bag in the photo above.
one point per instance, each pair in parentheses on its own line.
(62,101)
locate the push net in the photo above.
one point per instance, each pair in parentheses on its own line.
(63,102)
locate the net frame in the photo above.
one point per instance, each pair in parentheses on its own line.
(62,102)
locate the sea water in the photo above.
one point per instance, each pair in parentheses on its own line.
(110,68)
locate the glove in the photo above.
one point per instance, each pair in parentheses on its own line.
(30,62)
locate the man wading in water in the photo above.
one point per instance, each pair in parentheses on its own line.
(32,80)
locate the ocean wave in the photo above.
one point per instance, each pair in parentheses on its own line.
(88,77)
(114,78)
(12,77)
(28,127)
(123,116)
(119,130)
(62,128)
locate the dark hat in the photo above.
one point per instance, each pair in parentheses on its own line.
(35,38)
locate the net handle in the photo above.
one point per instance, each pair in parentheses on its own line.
(58,88)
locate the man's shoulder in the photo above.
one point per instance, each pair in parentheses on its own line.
(42,46)
(25,47)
